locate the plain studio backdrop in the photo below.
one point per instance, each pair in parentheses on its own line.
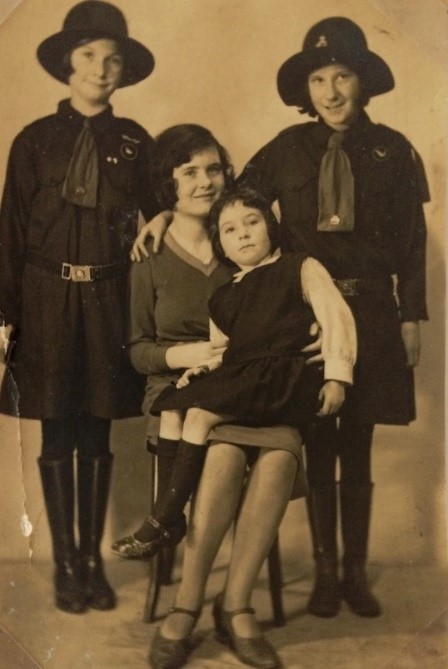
(216,64)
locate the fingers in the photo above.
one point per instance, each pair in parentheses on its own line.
(309,348)
(156,244)
(141,247)
(135,254)
(314,329)
(139,250)
(314,359)
(186,376)
(328,409)
(331,400)
(413,357)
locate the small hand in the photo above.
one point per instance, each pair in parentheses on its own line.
(332,396)
(184,380)
(184,356)
(410,333)
(155,228)
(316,345)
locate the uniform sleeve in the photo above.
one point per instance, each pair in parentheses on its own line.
(20,187)
(262,174)
(259,173)
(146,355)
(146,193)
(410,231)
(339,346)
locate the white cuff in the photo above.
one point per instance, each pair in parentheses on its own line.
(339,370)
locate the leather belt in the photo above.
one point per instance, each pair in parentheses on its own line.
(353,287)
(76,273)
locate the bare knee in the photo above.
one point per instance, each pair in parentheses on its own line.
(171,424)
(200,418)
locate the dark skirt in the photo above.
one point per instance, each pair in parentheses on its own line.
(383,389)
(263,391)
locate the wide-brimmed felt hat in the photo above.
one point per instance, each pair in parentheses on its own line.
(94,19)
(333,40)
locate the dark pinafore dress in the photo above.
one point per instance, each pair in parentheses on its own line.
(263,379)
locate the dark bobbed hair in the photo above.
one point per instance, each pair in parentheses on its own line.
(67,67)
(249,198)
(177,146)
(307,106)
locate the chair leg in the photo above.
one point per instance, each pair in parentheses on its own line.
(160,573)
(165,565)
(275,584)
(152,594)
(160,568)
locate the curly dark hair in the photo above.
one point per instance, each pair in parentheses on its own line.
(176,146)
(249,198)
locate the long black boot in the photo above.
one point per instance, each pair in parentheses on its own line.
(93,490)
(325,599)
(356,504)
(58,488)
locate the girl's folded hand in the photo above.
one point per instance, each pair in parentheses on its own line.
(184,380)
(331,396)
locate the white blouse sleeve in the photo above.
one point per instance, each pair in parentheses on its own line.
(339,346)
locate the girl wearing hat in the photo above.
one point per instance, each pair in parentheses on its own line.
(350,193)
(74,184)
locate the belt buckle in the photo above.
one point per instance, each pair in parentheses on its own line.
(76,273)
(347,287)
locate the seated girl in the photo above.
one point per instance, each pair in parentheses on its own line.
(263,316)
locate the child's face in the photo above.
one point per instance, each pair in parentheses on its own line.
(199,183)
(335,92)
(97,69)
(243,234)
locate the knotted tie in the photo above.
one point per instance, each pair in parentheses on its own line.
(336,189)
(81,182)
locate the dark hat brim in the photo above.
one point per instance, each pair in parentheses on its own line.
(293,74)
(138,60)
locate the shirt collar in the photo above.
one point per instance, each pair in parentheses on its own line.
(267,261)
(322,131)
(99,123)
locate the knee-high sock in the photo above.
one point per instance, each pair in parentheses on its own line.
(183,482)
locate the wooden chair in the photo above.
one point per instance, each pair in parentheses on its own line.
(161,569)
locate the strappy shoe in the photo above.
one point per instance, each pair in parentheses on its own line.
(255,651)
(132,548)
(171,653)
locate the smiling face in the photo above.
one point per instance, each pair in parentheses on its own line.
(335,93)
(97,69)
(243,234)
(199,183)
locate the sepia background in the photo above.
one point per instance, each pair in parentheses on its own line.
(216,64)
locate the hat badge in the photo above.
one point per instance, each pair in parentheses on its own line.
(322,41)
